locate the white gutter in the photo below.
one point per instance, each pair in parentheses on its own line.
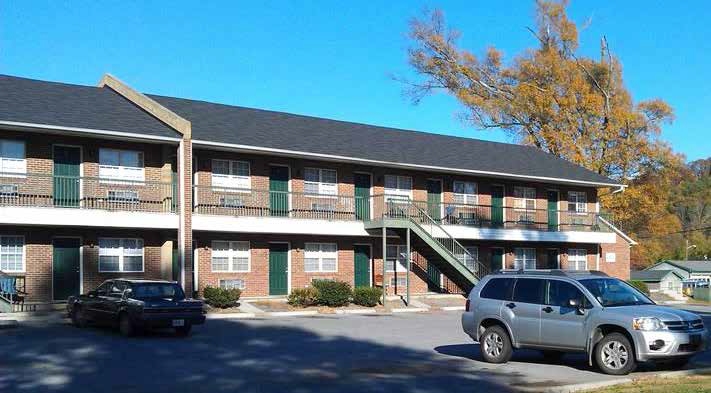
(13,125)
(331,157)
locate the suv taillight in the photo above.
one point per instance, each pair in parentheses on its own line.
(466,305)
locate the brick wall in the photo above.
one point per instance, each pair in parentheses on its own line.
(621,251)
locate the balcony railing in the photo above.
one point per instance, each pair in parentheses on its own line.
(82,192)
(219,200)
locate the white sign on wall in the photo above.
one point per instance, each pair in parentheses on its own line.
(610,257)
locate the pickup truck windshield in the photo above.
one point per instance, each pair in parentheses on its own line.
(157,290)
(611,292)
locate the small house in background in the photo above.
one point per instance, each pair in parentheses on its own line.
(691,270)
(668,282)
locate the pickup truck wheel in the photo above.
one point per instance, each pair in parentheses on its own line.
(125,326)
(78,317)
(495,345)
(183,331)
(614,355)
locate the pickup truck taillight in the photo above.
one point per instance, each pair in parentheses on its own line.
(466,305)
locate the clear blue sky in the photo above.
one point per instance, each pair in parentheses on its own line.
(332,58)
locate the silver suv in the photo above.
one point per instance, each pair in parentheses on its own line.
(557,312)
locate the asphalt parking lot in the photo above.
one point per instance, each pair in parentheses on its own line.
(354,353)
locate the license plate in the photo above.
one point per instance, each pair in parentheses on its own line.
(178,322)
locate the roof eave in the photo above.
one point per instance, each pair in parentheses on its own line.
(64,130)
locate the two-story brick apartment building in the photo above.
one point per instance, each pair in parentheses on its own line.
(99,182)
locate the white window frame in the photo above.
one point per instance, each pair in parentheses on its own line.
(395,278)
(22,241)
(522,196)
(399,259)
(323,188)
(234,249)
(233,181)
(465,198)
(111,173)
(121,254)
(474,251)
(399,192)
(320,256)
(576,256)
(13,167)
(522,259)
(579,200)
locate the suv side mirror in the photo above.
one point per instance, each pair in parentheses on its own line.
(575,303)
(127,293)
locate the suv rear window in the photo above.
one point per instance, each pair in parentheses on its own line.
(498,288)
(529,290)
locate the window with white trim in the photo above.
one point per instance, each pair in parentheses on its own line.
(115,164)
(399,187)
(236,283)
(577,259)
(525,258)
(320,257)
(399,282)
(120,255)
(12,250)
(232,174)
(320,181)
(465,192)
(12,157)
(230,256)
(524,198)
(577,201)
(396,258)
(470,259)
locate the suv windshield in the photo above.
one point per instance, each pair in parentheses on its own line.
(157,290)
(611,292)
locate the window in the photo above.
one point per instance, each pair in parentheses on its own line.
(399,187)
(525,198)
(116,288)
(525,258)
(12,254)
(232,174)
(320,257)
(577,201)
(610,257)
(498,288)
(560,293)
(398,282)
(121,164)
(577,259)
(12,157)
(396,258)
(122,196)
(529,290)
(320,181)
(230,256)
(8,190)
(465,193)
(470,259)
(232,284)
(120,255)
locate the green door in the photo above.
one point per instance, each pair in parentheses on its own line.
(65,268)
(278,269)
(434,282)
(279,191)
(362,196)
(361,260)
(66,176)
(497,259)
(552,210)
(497,206)
(434,199)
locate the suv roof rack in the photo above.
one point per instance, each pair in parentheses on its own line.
(551,272)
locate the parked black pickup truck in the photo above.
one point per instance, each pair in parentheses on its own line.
(133,305)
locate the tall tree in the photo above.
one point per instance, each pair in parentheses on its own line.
(551,97)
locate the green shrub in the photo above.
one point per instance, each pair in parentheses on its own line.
(303,297)
(221,297)
(641,285)
(367,296)
(333,293)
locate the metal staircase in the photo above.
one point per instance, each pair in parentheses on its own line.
(431,241)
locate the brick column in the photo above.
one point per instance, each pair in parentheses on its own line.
(185,232)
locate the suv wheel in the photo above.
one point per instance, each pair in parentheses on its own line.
(614,354)
(495,345)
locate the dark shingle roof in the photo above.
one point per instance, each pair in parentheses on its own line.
(262,128)
(650,275)
(60,104)
(692,266)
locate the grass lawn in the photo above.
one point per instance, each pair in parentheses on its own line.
(692,384)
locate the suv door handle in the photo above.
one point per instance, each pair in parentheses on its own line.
(548,309)
(511,305)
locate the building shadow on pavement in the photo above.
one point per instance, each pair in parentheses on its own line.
(224,356)
(472,352)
